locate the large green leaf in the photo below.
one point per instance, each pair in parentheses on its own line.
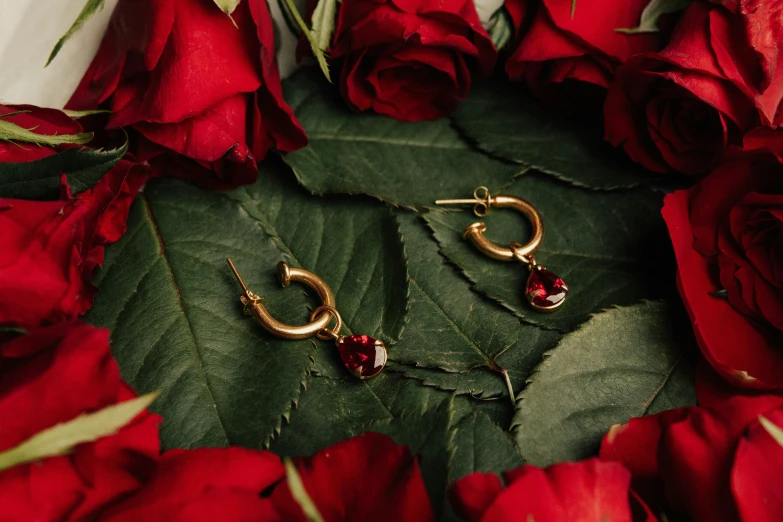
(177,324)
(505,120)
(609,247)
(454,330)
(40,179)
(409,164)
(615,367)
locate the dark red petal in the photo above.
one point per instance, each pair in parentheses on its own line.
(587,491)
(755,477)
(471,496)
(695,461)
(202,485)
(368,477)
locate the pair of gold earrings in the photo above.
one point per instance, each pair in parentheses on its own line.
(364,356)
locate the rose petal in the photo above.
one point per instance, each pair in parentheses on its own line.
(587,491)
(755,475)
(368,477)
(471,496)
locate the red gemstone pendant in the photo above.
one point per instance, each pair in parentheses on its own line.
(362,355)
(545,291)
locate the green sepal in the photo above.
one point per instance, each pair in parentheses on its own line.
(89,9)
(62,438)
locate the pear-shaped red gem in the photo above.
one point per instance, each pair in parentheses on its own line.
(544,289)
(362,355)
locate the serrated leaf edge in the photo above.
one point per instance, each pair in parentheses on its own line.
(546,355)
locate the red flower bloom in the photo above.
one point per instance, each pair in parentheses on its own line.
(51,248)
(679,109)
(728,235)
(204,485)
(716,460)
(587,491)
(554,47)
(368,477)
(409,59)
(204,96)
(52,376)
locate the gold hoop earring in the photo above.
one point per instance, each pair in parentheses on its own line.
(363,356)
(544,290)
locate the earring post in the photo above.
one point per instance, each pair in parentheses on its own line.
(236,274)
(457,201)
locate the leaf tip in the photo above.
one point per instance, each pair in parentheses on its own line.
(773,429)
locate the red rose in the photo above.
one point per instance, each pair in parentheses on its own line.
(586,491)
(409,59)
(226,484)
(717,461)
(760,26)
(368,477)
(555,47)
(679,109)
(203,95)
(51,248)
(727,233)
(52,376)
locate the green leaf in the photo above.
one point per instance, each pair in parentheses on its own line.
(81,114)
(408,164)
(177,323)
(312,38)
(228,6)
(455,330)
(89,9)
(501,28)
(609,247)
(506,121)
(323,23)
(480,445)
(613,368)
(774,431)
(654,10)
(14,133)
(40,179)
(300,494)
(62,438)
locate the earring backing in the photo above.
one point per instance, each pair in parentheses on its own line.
(362,355)
(544,290)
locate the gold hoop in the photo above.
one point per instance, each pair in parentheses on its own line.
(286,274)
(475,232)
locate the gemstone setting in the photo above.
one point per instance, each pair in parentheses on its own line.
(545,291)
(362,355)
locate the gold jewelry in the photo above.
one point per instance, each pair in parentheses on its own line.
(544,290)
(362,355)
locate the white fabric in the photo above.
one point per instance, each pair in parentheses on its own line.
(30,28)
